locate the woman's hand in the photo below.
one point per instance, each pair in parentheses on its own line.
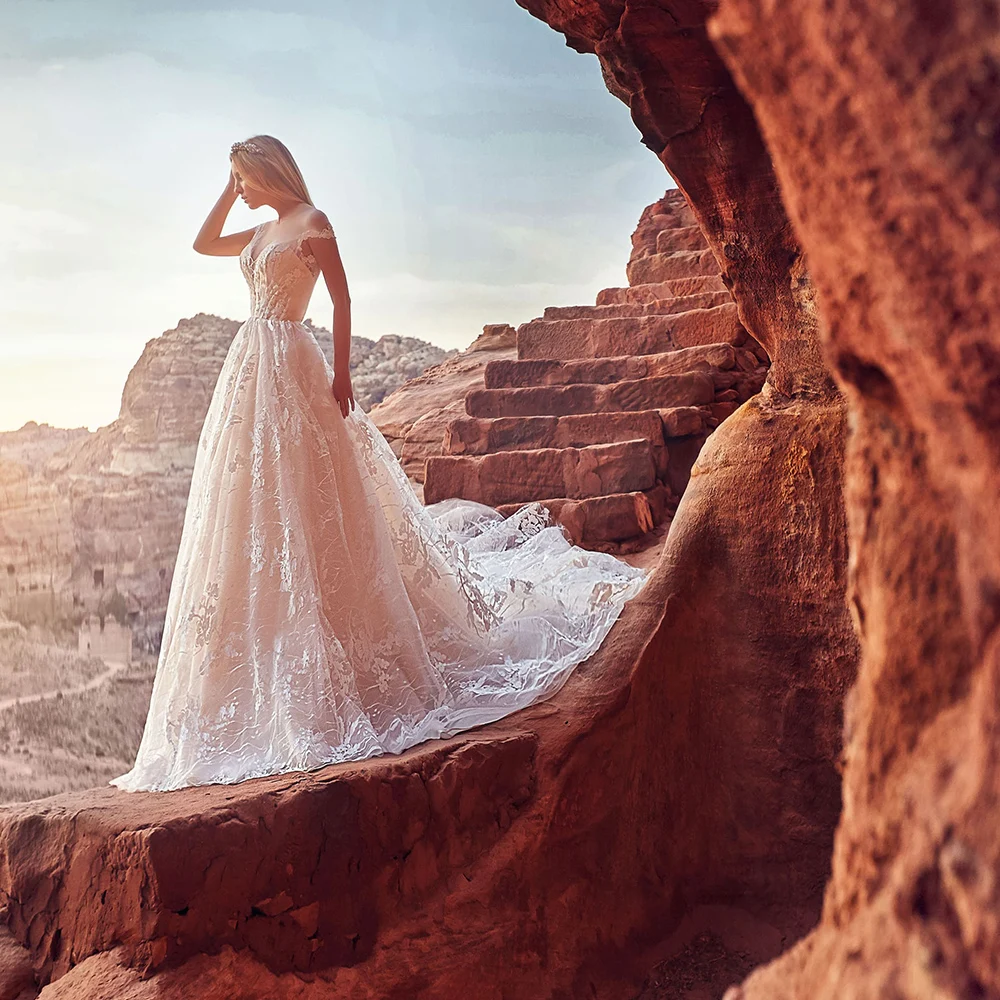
(343,393)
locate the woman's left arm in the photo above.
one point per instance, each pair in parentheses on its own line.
(327,255)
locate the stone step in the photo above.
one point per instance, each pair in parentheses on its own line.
(488,435)
(658,307)
(542,473)
(681,238)
(662,290)
(615,518)
(668,266)
(563,339)
(164,878)
(655,290)
(661,391)
(484,435)
(678,427)
(515,374)
(675,435)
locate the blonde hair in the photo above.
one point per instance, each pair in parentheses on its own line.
(268,166)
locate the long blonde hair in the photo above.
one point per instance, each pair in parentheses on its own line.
(268,165)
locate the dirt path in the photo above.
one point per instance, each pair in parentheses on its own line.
(114,667)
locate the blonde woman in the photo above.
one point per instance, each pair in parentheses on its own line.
(318,612)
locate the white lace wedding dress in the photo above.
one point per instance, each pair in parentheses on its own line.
(318,611)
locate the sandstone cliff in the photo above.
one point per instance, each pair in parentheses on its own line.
(380,367)
(884,127)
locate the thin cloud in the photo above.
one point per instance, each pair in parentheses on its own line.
(460,149)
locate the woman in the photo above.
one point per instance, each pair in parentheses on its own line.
(318,611)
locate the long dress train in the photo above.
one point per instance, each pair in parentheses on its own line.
(318,612)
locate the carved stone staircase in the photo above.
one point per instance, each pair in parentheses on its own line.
(606,407)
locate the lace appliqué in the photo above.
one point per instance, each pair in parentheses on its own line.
(282,274)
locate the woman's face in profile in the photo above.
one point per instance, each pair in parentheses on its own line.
(251,195)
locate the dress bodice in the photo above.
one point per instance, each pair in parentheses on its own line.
(281,274)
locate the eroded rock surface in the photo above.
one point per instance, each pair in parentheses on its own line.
(657,57)
(763,510)
(884,126)
(405,840)
(379,367)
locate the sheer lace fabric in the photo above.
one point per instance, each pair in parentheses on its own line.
(318,611)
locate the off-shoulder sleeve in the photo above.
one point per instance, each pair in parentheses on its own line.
(320,233)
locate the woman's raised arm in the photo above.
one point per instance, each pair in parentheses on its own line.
(208,241)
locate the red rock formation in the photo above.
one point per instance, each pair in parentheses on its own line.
(498,853)
(312,872)
(605,408)
(17,978)
(757,549)
(885,128)
(656,56)
(415,416)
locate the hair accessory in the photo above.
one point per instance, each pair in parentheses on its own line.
(243,146)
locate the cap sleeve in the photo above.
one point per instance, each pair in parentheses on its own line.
(321,233)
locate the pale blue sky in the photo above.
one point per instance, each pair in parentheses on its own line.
(475,170)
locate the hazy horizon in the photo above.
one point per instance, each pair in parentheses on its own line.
(474,168)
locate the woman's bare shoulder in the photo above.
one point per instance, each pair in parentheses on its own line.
(317,221)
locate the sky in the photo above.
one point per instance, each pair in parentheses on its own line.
(475,170)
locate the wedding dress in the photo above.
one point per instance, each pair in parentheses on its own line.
(318,612)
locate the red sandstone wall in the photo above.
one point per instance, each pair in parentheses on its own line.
(884,123)
(744,693)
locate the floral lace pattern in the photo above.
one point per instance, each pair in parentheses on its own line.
(318,611)
(281,274)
